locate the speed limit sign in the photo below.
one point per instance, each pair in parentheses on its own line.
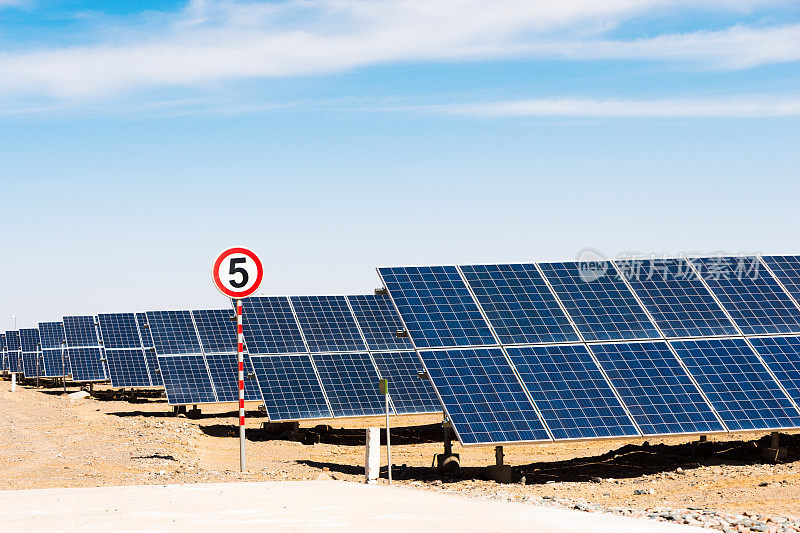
(237,272)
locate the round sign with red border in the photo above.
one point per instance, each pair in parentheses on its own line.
(237,272)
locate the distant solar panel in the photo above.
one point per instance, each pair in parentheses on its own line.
(13,351)
(270,326)
(409,393)
(224,368)
(599,302)
(327,324)
(29,347)
(737,384)
(519,304)
(173,333)
(782,355)
(571,393)
(482,397)
(379,322)
(149,351)
(217,330)
(350,382)
(3,357)
(655,388)
(750,294)
(676,298)
(436,306)
(83,349)
(186,379)
(787,269)
(290,388)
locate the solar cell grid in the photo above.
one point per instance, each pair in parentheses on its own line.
(119,331)
(13,351)
(436,306)
(327,324)
(737,384)
(51,334)
(186,379)
(149,350)
(782,355)
(519,304)
(144,330)
(217,330)
(350,382)
(750,294)
(655,388)
(482,397)
(127,368)
(379,322)
(270,326)
(290,388)
(173,332)
(571,393)
(53,363)
(599,302)
(409,393)
(224,368)
(787,269)
(86,365)
(80,331)
(676,298)
(29,339)
(3,358)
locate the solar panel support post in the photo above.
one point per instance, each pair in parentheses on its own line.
(240,358)
(384,389)
(13,381)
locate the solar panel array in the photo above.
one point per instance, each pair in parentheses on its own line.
(575,350)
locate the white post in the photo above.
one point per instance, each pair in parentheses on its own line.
(388,444)
(13,381)
(372,460)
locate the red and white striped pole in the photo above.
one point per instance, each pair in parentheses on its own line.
(240,354)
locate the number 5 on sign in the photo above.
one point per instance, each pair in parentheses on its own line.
(237,272)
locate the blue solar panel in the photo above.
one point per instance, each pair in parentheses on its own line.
(436,306)
(787,269)
(86,364)
(173,333)
(54,363)
(655,388)
(750,294)
(29,347)
(571,393)
(127,368)
(80,331)
(224,368)
(676,298)
(186,379)
(119,331)
(144,330)
(327,324)
(782,355)
(519,304)
(482,397)
(737,384)
(599,302)
(379,322)
(149,351)
(217,329)
(13,351)
(3,357)
(408,392)
(351,383)
(289,387)
(269,326)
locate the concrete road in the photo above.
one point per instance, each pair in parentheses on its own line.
(289,506)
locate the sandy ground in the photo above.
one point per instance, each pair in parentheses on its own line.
(47,440)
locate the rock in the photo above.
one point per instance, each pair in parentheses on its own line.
(764,484)
(80,395)
(680,470)
(639,492)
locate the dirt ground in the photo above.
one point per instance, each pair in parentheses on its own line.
(49,440)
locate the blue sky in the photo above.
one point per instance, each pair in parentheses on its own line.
(138,139)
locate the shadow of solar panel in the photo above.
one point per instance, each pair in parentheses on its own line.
(409,393)
(676,298)
(269,326)
(482,397)
(656,389)
(571,393)
(379,322)
(750,294)
(327,323)
(85,364)
(787,269)
(519,304)
(224,370)
(289,387)
(436,306)
(186,379)
(737,384)
(350,382)
(217,330)
(782,355)
(599,302)
(173,333)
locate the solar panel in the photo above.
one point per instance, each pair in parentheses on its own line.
(80,331)
(482,397)
(270,327)
(127,368)
(600,304)
(737,384)
(656,389)
(149,350)
(519,304)
(83,349)
(350,382)
(119,331)
(3,357)
(186,379)
(217,330)
(54,363)
(571,393)
(290,388)
(409,393)
(224,368)
(13,351)
(787,269)
(782,355)
(750,294)
(436,306)
(379,322)
(327,324)
(676,298)
(144,330)
(173,333)
(29,347)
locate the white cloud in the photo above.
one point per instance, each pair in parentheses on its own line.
(741,107)
(214,41)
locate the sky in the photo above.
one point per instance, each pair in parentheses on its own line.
(139,139)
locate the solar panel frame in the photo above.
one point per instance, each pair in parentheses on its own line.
(379,322)
(327,324)
(290,387)
(781,354)
(270,326)
(414,395)
(351,389)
